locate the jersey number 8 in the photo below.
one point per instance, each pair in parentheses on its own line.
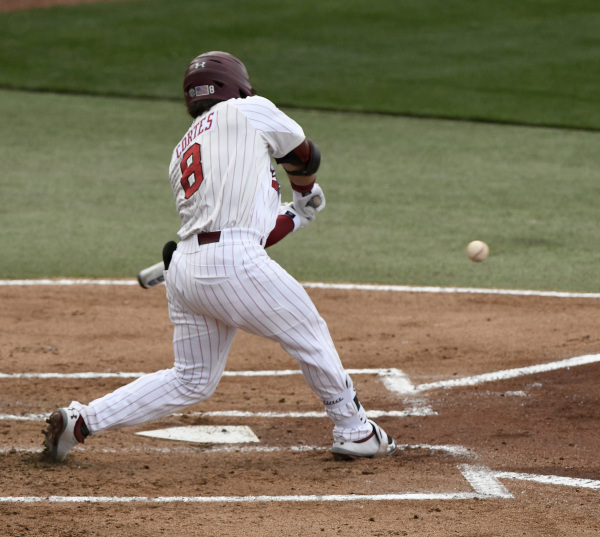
(191,170)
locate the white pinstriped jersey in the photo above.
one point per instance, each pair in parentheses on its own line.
(223,180)
(221,172)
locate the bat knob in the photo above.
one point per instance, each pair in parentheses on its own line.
(167,253)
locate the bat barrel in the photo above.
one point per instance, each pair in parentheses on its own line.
(151,276)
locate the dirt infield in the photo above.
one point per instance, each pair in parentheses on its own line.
(499,455)
(511,456)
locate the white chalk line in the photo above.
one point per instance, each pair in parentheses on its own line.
(82,375)
(484,482)
(177,449)
(120,374)
(402,386)
(481,480)
(415,407)
(551,480)
(479,476)
(65,282)
(319,285)
(454,451)
(243,499)
(394,379)
(373,414)
(448,290)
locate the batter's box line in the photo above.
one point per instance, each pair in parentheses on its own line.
(137,374)
(394,379)
(397,382)
(483,477)
(484,482)
(485,486)
(373,414)
(391,376)
(452,450)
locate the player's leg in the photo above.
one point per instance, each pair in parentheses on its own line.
(201,348)
(264,299)
(309,341)
(296,324)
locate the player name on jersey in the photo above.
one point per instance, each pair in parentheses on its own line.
(198,127)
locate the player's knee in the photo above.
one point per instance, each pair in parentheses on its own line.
(200,387)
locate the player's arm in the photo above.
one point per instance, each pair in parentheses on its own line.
(301,165)
(283,227)
(288,220)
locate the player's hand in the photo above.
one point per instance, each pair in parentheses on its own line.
(290,210)
(309,204)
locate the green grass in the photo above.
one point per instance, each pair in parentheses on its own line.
(85,192)
(520,61)
(83,184)
(406,196)
(83,175)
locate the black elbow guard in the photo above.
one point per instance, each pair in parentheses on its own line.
(306,155)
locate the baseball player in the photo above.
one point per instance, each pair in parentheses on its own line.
(220,279)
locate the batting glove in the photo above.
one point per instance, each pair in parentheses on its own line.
(310,203)
(299,220)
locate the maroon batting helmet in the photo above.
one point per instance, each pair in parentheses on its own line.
(216,76)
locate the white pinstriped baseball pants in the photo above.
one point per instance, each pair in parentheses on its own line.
(213,290)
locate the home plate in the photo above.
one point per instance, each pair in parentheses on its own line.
(206,434)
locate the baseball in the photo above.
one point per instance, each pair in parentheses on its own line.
(477,251)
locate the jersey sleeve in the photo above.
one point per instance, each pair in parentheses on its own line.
(280,132)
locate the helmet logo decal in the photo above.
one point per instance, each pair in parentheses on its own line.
(201,91)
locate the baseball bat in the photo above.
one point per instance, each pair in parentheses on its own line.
(151,276)
(154,275)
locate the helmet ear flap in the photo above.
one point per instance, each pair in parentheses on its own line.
(244,94)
